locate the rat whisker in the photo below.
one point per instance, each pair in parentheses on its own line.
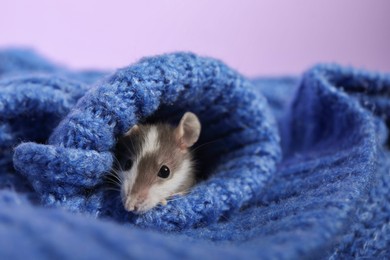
(182,193)
(172,200)
(118,164)
(113,184)
(130,150)
(204,144)
(132,144)
(112,177)
(108,179)
(116,161)
(111,189)
(115,174)
(176,198)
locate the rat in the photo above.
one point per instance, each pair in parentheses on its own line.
(156,163)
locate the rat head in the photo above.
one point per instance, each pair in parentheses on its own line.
(156,162)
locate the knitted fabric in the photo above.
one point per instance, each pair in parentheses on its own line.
(327,196)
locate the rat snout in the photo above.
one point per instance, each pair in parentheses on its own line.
(130,204)
(135,203)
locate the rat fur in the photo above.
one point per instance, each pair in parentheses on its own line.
(141,154)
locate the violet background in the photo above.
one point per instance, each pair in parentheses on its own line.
(254,37)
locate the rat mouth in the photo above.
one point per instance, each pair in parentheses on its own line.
(137,210)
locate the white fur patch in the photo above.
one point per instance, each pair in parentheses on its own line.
(151,143)
(128,182)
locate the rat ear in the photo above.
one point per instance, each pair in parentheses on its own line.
(188,130)
(132,130)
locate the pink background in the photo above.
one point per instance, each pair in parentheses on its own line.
(255,37)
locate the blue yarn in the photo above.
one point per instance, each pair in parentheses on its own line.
(328,196)
(173,83)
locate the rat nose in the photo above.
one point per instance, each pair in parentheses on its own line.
(128,204)
(135,203)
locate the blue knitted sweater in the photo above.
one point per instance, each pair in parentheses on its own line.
(291,167)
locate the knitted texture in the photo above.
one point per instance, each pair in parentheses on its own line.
(327,197)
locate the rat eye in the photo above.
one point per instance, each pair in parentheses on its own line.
(164,172)
(128,164)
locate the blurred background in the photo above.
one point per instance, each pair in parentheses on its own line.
(255,37)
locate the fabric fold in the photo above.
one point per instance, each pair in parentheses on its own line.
(163,87)
(327,197)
